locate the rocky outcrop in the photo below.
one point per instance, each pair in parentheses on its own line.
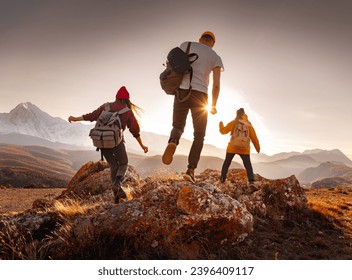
(162,217)
(93,179)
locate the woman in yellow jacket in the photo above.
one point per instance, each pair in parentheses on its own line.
(242,132)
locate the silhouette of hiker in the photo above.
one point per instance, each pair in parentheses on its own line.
(207,62)
(242,132)
(117,157)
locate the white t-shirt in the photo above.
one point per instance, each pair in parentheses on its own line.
(202,67)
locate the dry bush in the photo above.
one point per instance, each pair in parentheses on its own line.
(15,245)
(71,207)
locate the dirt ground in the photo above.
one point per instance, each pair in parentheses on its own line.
(20,199)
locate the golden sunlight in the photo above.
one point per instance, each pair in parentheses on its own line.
(228,103)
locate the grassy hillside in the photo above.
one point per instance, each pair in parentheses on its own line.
(22,166)
(33,166)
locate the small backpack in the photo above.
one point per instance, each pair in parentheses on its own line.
(107,132)
(240,136)
(177,65)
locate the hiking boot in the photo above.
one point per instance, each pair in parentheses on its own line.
(252,187)
(118,181)
(118,191)
(169,153)
(222,179)
(189,175)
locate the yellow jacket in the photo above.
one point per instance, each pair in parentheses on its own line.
(252,135)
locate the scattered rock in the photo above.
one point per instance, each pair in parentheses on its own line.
(165,217)
(42,204)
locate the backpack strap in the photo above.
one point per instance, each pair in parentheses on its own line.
(185,98)
(107,106)
(188,47)
(191,70)
(181,100)
(101,154)
(192,54)
(124,110)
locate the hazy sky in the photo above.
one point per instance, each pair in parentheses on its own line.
(288,63)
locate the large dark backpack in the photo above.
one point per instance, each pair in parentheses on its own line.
(177,65)
(108,132)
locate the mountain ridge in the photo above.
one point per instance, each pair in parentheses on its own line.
(29,120)
(28,125)
(29,159)
(326,170)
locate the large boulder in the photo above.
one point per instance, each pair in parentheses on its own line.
(93,179)
(178,213)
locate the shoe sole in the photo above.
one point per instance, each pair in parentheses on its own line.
(169,153)
(188,178)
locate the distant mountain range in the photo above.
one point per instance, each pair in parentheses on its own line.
(27,125)
(28,119)
(326,170)
(42,166)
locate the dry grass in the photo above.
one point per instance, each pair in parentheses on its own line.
(322,231)
(335,204)
(70,207)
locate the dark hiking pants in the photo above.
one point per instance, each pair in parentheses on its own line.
(246,162)
(117,160)
(196,103)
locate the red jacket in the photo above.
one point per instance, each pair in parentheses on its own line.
(127,119)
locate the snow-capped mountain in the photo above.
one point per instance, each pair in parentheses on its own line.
(27,125)
(28,119)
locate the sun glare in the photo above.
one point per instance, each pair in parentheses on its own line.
(229,102)
(208,107)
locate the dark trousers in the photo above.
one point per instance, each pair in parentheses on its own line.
(117,160)
(246,162)
(196,103)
